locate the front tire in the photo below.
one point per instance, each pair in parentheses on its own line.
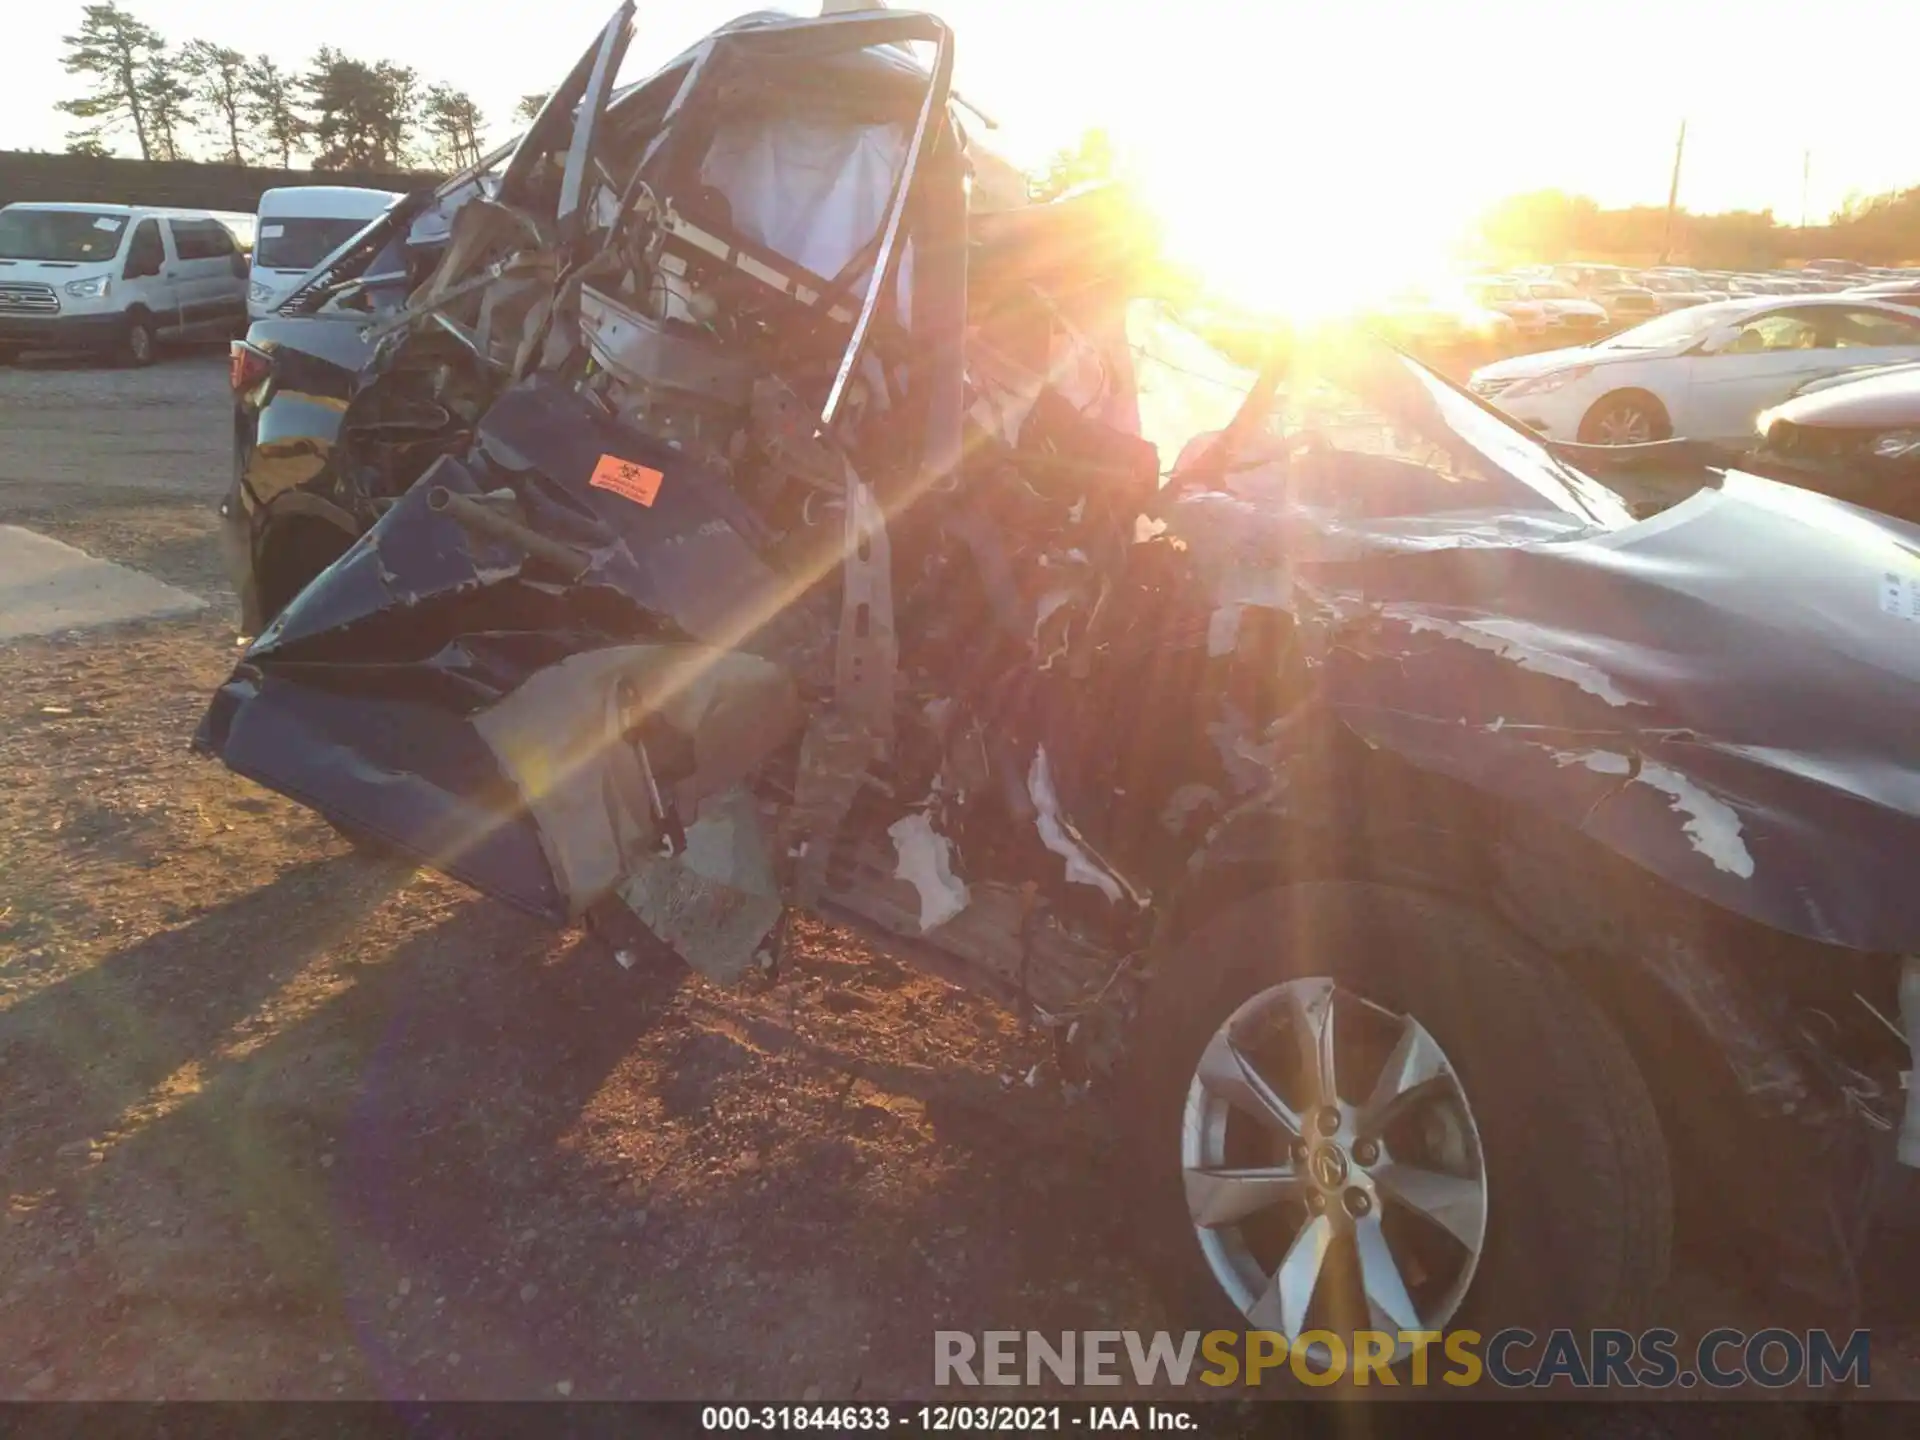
(1518,1177)
(138,342)
(1626,417)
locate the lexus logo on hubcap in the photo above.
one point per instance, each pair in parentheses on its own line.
(1328,1166)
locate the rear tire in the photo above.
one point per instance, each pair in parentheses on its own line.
(1576,1207)
(290,557)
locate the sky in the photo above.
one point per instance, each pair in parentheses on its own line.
(1302,129)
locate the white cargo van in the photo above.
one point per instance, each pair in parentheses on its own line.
(241,224)
(115,279)
(297,227)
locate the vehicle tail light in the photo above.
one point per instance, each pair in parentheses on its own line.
(248,366)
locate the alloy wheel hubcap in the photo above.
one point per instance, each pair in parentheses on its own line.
(1625,426)
(1316,1211)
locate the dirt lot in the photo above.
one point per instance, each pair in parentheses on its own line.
(283,1121)
(280,1121)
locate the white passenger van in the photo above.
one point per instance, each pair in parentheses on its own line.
(115,279)
(298,226)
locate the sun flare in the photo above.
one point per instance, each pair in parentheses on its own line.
(1303,244)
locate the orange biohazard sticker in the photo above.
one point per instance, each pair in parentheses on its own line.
(636,482)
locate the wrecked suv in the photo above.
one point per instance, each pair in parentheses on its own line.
(1455,882)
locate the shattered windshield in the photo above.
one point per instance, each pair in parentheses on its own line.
(1349,395)
(1186,389)
(1674,329)
(1346,393)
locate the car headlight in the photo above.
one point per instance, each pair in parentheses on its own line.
(259,294)
(92,289)
(1545,384)
(1897,444)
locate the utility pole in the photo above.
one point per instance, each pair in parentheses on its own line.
(1806,169)
(1673,194)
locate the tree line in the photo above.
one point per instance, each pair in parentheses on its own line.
(202,100)
(1552,225)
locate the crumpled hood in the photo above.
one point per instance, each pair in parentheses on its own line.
(1723,694)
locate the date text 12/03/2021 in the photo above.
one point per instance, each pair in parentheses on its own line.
(946,1419)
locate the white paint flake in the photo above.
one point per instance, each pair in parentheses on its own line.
(925,861)
(1513,641)
(1054,833)
(1712,826)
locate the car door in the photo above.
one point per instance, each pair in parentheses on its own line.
(225,303)
(175,285)
(143,276)
(201,270)
(1751,365)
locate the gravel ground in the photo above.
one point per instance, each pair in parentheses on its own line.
(281,1121)
(127,464)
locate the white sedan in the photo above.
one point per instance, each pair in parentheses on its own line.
(1702,373)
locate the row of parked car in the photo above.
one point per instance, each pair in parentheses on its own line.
(1496,314)
(1822,390)
(1545,299)
(121,280)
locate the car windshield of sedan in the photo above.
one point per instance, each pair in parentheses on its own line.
(66,235)
(1675,329)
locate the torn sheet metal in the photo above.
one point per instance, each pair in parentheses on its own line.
(574,740)
(717,903)
(427,630)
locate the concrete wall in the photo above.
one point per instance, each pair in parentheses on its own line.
(185,183)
